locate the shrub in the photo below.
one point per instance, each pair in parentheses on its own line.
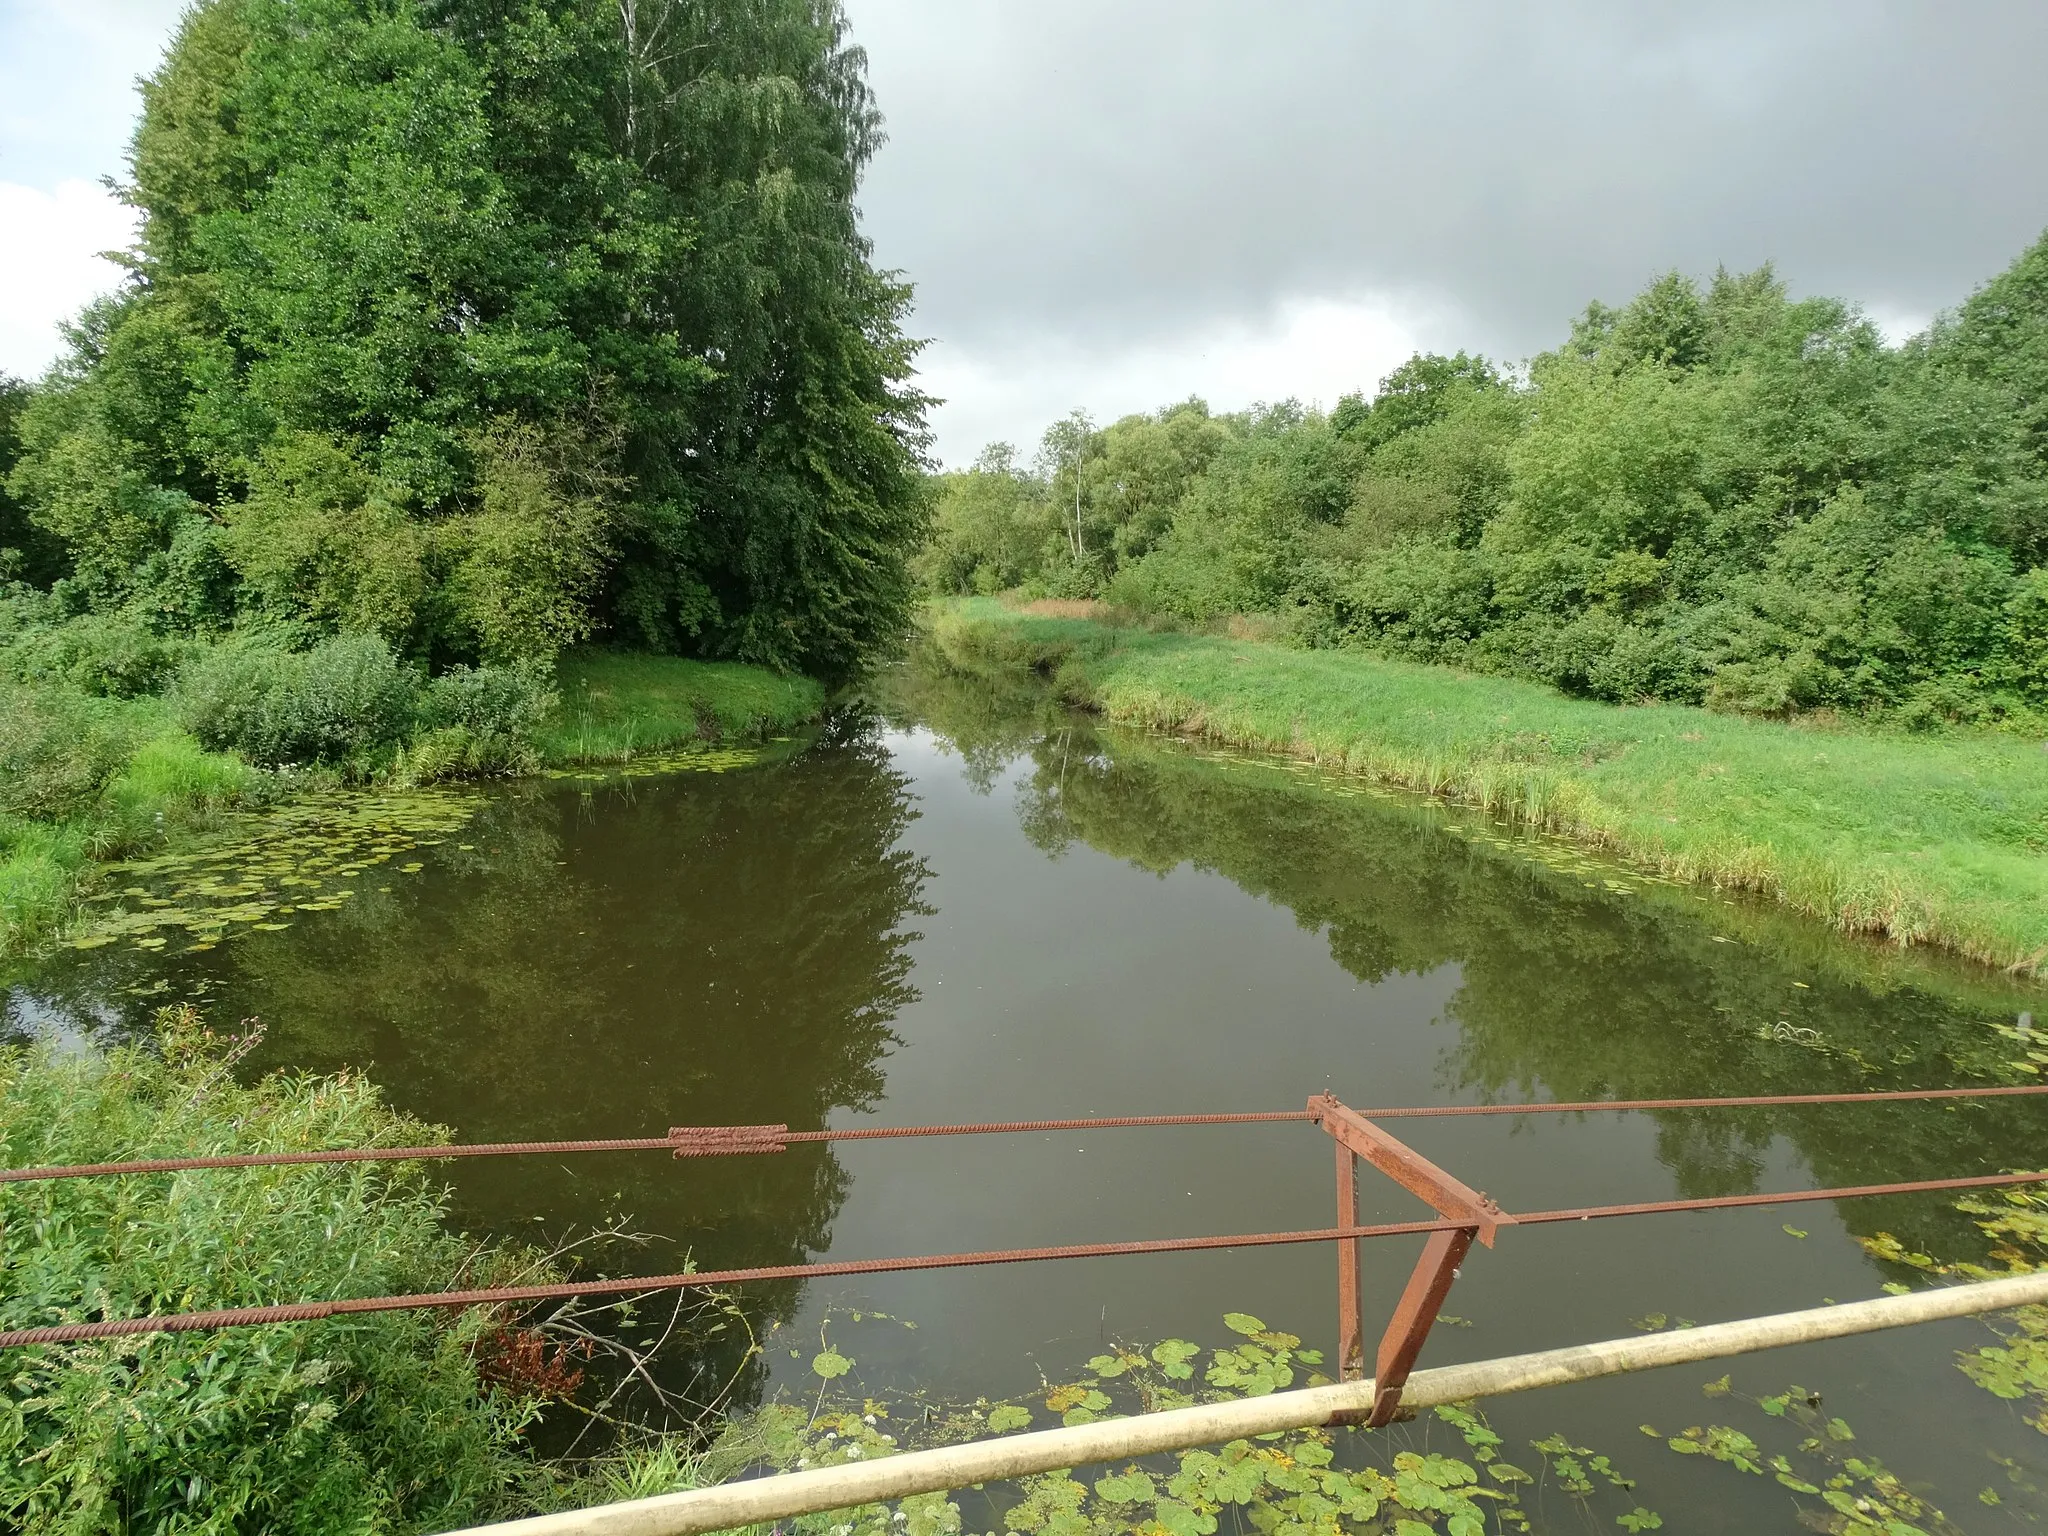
(109,654)
(479,720)
(58,751)
(349,699)
(378,1422)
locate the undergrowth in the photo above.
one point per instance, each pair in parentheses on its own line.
(382,1422)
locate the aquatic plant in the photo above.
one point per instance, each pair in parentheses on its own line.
(1838,1488)
(1317,1482)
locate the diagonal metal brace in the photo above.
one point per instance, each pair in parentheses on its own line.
(726,1140)
(1434,1272)
(1413,1317)
(1449,1196)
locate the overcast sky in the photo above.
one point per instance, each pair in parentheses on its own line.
(1117,203)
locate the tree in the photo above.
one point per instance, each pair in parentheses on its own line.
(608,252)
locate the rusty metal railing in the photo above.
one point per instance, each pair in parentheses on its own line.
(1464,1215)
(724,1140)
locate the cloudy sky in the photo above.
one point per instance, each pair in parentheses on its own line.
(1117,203)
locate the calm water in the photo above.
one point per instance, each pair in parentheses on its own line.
(957,906)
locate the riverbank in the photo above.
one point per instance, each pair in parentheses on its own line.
(1939,840)
(85,779)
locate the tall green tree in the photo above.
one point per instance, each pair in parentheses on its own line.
(492,324)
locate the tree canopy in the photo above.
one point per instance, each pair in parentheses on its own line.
(1716,492)
(486,326)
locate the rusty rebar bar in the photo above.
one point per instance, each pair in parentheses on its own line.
(185,1322)
(729,1140)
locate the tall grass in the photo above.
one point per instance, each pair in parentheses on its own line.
(84,778)
(615,705)
(1924,839)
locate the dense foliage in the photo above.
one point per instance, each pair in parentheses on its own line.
(1714,494)
(483,326)
(378,1423)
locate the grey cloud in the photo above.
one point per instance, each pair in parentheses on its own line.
(1112,173)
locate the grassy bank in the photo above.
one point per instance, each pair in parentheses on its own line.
(85,778)
(1925,839)
(614,705)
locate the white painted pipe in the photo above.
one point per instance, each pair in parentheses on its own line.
(758,1500)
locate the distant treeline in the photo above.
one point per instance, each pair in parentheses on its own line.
(1713,494)
(483,327)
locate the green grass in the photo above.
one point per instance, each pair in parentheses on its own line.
(160,783)
(1938,840)
(615,705)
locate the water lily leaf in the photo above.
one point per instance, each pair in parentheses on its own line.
(1179,1520)
(1173,1355)
(1793,1231)
(831,1364)
(1244,1323)
(1008,1416)
(1132,1487)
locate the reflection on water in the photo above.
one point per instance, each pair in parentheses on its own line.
(969,904)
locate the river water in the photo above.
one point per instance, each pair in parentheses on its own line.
(956,903)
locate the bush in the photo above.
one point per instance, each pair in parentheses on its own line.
(58,751)
(351,701)
(108,654)
(479,720)
(348,700)
(378,1422)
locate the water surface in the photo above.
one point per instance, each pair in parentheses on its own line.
(959,905)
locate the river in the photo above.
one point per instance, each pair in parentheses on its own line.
(960,903)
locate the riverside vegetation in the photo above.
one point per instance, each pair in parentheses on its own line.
(1715,494)
(453,337)
(1725,510)
(1934,839)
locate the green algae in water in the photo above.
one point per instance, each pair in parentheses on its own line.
(653,764)
(299,858)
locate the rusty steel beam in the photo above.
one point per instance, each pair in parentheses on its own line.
(1423,1297)
(1449,1196)
(1414,1315)
(1350,1273)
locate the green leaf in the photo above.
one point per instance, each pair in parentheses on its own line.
(1716,1388)
(1180,1520)
(1132,1487)
(1244,1323)
(1008,1416)
(1173,1355)
(1792,1230)
(830,1364)
(1639,1519)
